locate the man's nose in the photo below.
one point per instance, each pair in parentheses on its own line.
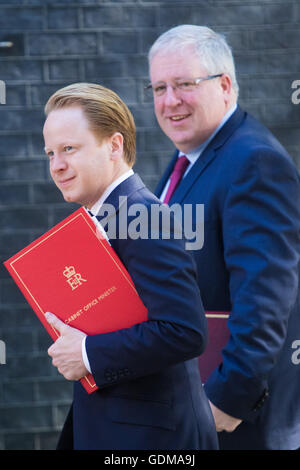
(172,96)
(58,163)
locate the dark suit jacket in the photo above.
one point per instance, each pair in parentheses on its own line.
(150,394)
(249,265)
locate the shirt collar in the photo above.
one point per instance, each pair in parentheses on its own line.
(96,207)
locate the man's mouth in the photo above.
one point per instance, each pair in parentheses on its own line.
(179,117)
(65,181)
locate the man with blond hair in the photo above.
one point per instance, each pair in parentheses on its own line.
(90,142)
(249,263)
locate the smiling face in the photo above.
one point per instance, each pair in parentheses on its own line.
(188,118)
(81,165)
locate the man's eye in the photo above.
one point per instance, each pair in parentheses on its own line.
(50,154)
(185,84)
(160,89)
(68,148)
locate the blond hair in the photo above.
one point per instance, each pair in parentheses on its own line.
(104,110)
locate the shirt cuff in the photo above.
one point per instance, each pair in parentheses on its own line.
(84,355)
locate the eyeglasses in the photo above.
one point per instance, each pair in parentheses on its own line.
(183,85)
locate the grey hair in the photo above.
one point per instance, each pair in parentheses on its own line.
(211,47)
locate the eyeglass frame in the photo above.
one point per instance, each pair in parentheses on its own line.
(195,80)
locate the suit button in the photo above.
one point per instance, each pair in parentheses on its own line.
(110,375)
(123,372)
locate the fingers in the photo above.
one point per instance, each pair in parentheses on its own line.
(66,352)
(52,350)
(59,325)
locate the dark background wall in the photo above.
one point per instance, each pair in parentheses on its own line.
(60,42)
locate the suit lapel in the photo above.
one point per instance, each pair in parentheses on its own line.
(119,196)
(204,160)
(126,188)
(193,175)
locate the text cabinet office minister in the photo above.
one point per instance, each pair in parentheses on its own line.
(249,263)
(159,402)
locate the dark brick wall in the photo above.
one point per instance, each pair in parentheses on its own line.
(60,42)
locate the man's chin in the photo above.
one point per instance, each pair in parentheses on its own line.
(70,198)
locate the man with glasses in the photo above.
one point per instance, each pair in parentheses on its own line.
(248,265)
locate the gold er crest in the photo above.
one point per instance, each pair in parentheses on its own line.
(73,279)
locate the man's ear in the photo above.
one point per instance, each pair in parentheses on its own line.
(226,86)
(117,145)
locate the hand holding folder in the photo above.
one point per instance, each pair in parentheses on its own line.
(66,352)
(76,274)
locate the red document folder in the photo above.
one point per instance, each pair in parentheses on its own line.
(74,273)
(218,336)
